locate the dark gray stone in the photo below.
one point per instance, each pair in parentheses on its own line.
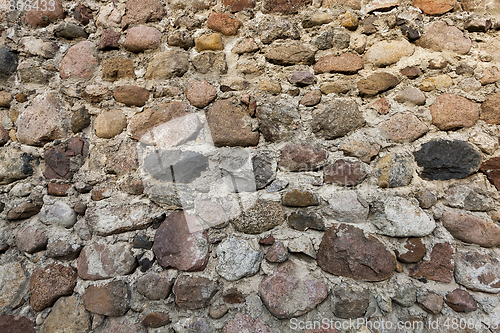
(301,220)
(8,62)
(332,39)
(70,30)
(444,160)
(264,168)
(348,302)
(175,165)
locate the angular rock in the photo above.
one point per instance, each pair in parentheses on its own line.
(411,95)
(439,36)
(83,14)
(344,173)
(111,299)
(103,261)
(412,251)
(336,119)
(426,198)
(227,25)
(443,160)
(385,53)
(168,64)
(475,199)
(312,98)
(194,292)
(131,95)
(363,150)
(278,29)
(49,283)
(346,63)
(31,240)
(316,19)
(200,93)
(140,39)
(395,170)
(237,259)
(8,62)
(297,198)
(432,303)
(38,47)
(302,220)
(294,53)
(490,109)
(377,83)
(59,213)
(14,165)
(346,251)
(118,68)
(210,62)
(403,127)
(491,75)
(277,121)
(285,7)
(349,302)
(435,7)
(398,217)
(461,301)
(452,112)
(478,271)
(228,123)
(58,189)
(109,124)
(13,285)
(79,61)
(264,166)
(238,5)
(69,315)
(302,244)
(246,45)
(43,16)
(246,323)
(23,211)
(182,39)
(439,267)
(302,158)
(180,245)
(471,229)
(63,249)
(154,286)
(143,11)
(277,253)
(288,293)
(44,121)
(16,324)
(345,206)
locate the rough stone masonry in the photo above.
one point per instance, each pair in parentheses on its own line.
(197,166)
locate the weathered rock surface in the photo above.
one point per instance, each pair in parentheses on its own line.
(477,271)
(350,302)
(344,173)
(14,281)
(395,170)
(336,119)
(237,259)
(246,323)
(290,293)
(440,36)
(60,213)
(49,283)
(385,53)
(69,315)
(377,83)
(154,286)
(194,292)
(103,261)
(111,299)
(403,127)
(346,206)
(346,63)
(263,216)
(451,112)
(346,251)
(439,267)
(167,65)
(14,165)
(461,301)
(79,61)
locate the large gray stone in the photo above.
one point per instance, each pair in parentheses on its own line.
(336,119)
(14,165)
(59,213)
(237,259)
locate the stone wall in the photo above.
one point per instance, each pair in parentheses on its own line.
(249,166)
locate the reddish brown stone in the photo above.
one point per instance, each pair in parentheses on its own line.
(57,160)
(49,283)
(175,245)
(411,72)
(111,299)
(439,36)
(58,189)
(229,124)
(344,173)
(461,301)
(435,7)
(156,319)
(227,25)
(452,112)
(200,93)
(109,40)
(194,292)
(118,68)
(140,39)
(346,251)
(238,5)
(471,229)
(103,261)
(415,251)
(23,211)
(133,187)
(269,240)
(432,303)
(403,127)
(131,95)
(83,14)
(16,324)
(100,193)
(346,63)
(154,286)
(312,98)
(491,168)
(377,83)
(490,109)
(285,6)
(490,75)
(43,16)
(233,296)
(79,61)
(381,105)
(439,267)
(144,121)
(302,158)
(143,11)
(31,240)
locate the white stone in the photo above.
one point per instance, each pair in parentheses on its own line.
(478,271)
(38,47)
(59,213)
(237,259)
(346,207)
(485,142)
(302,244)
(385,53)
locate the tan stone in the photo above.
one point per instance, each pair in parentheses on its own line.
(451,112)
(432,83)
(110,123)
(385,53)
(212,42)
